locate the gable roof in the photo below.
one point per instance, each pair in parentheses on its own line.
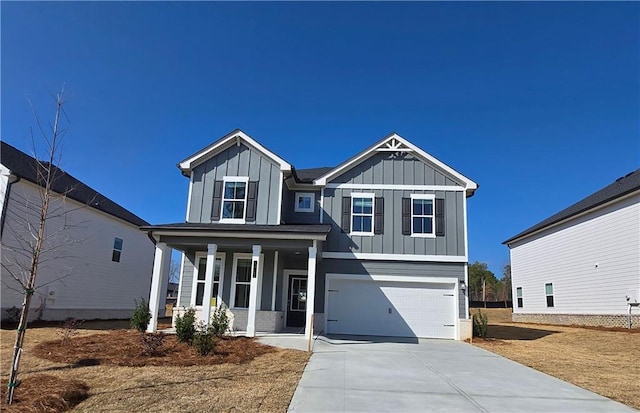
(25,167)
(308,175)
(187,165)
(621,187)
(395,143)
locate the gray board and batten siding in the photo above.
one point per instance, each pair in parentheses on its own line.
(289,214)
(237,160)
(384,169)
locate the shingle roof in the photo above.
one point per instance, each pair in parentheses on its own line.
(25,167)
(308,175)
(622,186)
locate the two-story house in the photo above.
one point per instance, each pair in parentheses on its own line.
(374,246)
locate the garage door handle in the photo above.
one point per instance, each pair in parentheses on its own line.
(448,295)
(332,320)
(449,325)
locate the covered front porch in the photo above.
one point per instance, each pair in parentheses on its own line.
(264,274)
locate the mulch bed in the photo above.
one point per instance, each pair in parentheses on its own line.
(44,393)
(124,348)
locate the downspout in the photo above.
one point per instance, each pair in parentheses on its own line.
(12,180)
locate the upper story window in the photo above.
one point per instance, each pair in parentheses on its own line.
(519,296)
(549,293)
(234,199)
(362,214)
(305,201)
(422,215)
(117,250)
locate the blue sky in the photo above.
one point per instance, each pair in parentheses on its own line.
(537,102)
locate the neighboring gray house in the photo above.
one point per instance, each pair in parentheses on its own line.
(374,246)
(582,265)
(95,260)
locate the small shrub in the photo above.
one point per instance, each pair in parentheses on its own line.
(204,339)
(480,324)
(152,344)
(70,328)
(141,316)
(13,315)
(220,321)
(186,326)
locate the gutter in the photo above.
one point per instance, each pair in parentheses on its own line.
(12,180)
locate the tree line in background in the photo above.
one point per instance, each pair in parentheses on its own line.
(484,286)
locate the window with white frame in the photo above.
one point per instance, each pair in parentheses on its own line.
(117,250)
(519,296)
(242,282)
(362,214)
(200,279)
(305,201)
(422,215)
(548,289)
(234,199)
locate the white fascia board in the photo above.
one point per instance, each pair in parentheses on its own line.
(470,186)
(393,257)
(254,235)
(397,187)
(188,164)
(395,278)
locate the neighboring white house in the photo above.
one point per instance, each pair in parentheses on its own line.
(95,261)
(582,265)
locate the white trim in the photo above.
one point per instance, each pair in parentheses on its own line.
(311,291)
(241,234)
(393,257)
(186,219)
(237,256)
(397,187)
(470,186)
(373,213)
(280,189)
(234,137)
(466,254)
(322,206)
(155,293)
(203,255)
(569,219)
(466,292)
(182,259)
(245,180)
(298,195)
(429,197)
(276,255)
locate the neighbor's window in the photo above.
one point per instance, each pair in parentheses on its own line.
(519,296)
(202,267)
(117,250)
(549,293)
(362,214)
(305,201)
(234,199)
(242,282)
(422,215)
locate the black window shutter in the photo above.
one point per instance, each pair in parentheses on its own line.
(378,219)
(346,214)
(217,200)
(406,216)
(439,217)
(252,196)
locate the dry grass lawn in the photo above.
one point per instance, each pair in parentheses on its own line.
(265,383)
(602,361)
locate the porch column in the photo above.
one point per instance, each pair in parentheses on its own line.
(253,291)
(159,269)
(311,293)
(205,314)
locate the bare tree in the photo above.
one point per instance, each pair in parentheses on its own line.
(34,242)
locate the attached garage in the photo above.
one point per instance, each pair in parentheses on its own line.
(391,306)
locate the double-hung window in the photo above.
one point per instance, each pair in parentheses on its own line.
(548,289)
(362,214)
(242,282)
(117,250)
(519,296)
(234,199)
(200,280)
(423,215)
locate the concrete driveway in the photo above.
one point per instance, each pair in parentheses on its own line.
(431,375)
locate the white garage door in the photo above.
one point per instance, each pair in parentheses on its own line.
(387,308)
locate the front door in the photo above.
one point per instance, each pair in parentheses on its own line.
(297,301)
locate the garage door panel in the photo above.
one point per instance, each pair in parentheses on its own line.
(366,307)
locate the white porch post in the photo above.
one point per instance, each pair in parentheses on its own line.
(253,291)
(159,264)
(311,293)
(205,314)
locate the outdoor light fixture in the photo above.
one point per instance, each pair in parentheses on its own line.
(463,286)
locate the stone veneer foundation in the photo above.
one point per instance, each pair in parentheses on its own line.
(595,320)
